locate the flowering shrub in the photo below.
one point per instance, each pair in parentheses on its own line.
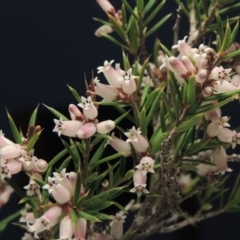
(176,144)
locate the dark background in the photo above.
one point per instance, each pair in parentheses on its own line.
(45,45)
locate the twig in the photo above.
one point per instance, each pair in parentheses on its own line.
(177,25)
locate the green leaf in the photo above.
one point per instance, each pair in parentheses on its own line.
(128,175)
(197,11)
(39,182)
(16,188)
(145,93)
(165,50)
(65,163)
(128,7)
(229,8)
(102,216)
(98,153)
(33,140)
(90,178)
(129,235)
(191,90)
(110,181)
(158,25)
(148,6)
(82,199)
(196,147)
(154,13)
(106,159)
(230,55)
(75,94)
(101,205)
(74,217)
(189,123)
(72,150)
(140,5)
(126,63)
(220,30)
(6,221)
(16,134)
(234,33)
(32,121)
(226,40)
(77,190)
(113,40)
(144,66)
(104,196)
(150,98)
(56,113)
(119,119)
(143,121)
(57,158)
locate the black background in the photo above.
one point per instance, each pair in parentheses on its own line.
(45,45)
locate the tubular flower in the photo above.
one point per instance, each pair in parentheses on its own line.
(107,92)
(32,188)
(110,74)
(146,165)
(10,151)
(117,225)
(28,159)
(220,74)
(46,221)
(66,228)
(89,110)
(216,125)
(119,145)
(86,131)
(183,47)
(139,181)
(67,128)
(106,6)
(5,194)
(127,81)
(80,229)
(105,126)
(74,112)
(138,141)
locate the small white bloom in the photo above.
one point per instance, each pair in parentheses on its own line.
(146,165)
(89,110)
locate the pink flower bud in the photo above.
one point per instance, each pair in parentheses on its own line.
(67,128)
(86,131)
(127,81)
(207,91)
(46,221)
(110,74)
(119,145)
(178,66)
(106,6)
(41,165)
(80,228)
(188,64)
(74,112)
(225,135)
(72,177)
(66,228)
(5,194)
(236,80)
(104,29)
(201,76)
(107,92)
(105,126)
(117,225)
(10,151)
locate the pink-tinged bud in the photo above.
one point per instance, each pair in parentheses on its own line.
(110,74)
(67,128)
(80,228)
(237,69)
(10,151)
(101,236)
(89,110)
(119,145)
(5,194)
(106,6)
(61,194)
(146,165)
(139,181)
(207,91)
(14,166)
(184,180)
(183,47)
(107,92)
(41,165)
(46,221)
(201,76)
(188,64)
(105,126)
(86,131)
(220,158)
(37,175)
(236,80)
(74,112)
(66,228)
(117,225)
(104,29)
(72,177)
(178,66)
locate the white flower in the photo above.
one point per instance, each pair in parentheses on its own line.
(89,110)
(127,81)
(146,165)
(220,74)
(32,188)
(28,160)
